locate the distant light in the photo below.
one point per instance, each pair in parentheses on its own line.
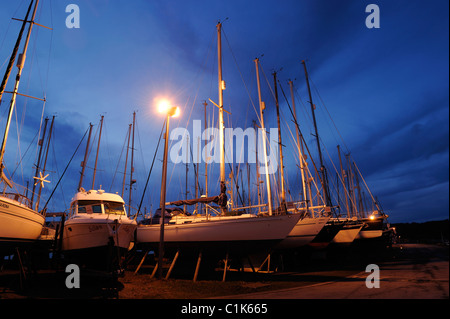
(371,217)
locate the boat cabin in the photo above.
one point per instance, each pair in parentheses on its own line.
(97,202)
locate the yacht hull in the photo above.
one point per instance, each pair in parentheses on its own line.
(303,233)
(86,233)
(18,224)
(231,232)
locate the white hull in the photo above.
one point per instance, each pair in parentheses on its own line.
(18,222)
(87,233)
(347,235)
(369,234)
(220,229)
(303,232)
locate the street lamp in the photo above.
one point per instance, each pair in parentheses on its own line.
(165,108)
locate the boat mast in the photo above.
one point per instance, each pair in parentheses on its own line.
(41,145)
(132,181)
(206,161)
(14,53)
(45,161)
(187,173)
(344,175)
(280,144)
(221,86)
(322,167)
(98,149)
(258,183)
(261,110)
(83,163)
(126,159)
(20,65)
(300,147)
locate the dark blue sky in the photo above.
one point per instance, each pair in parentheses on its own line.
(385,89)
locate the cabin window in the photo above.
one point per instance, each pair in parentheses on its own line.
(114,208)
(89,207)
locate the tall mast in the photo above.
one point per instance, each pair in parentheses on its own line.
(322,167)
(132,181)
(14,53)
(280,144)
(38,164)
(45,161)
(126,159)
(98,149)
(187,173)
(20,64)
(343,181)
(83,164)
(261,110)
(258,184)
(206,161)
(299,146)
(221,86)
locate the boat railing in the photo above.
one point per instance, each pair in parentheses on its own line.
(22,199)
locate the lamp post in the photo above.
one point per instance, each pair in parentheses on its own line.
(169,111)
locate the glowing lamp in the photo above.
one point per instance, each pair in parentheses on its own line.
(164,107)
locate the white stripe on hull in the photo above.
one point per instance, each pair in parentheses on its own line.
(303,232)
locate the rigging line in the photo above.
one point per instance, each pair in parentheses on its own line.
(326,109)
(339,175)
(300,132)
(240,74)
(7,30)
(267,81)
(56,163)
(51,46)
(108,151)
(150,172)
(23,156)
(65,169)
(365,184)
(195,166)
(118,162)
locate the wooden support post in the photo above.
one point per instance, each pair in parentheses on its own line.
(154,270)
(172,264)
(225,268)
(268,263)
(198,266)
(251,265)
(141,262)
(23,276)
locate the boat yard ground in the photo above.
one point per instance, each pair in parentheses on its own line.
(407,271)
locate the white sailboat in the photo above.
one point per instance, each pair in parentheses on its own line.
(98,231)
(97,221)
(20,223)
(243,232)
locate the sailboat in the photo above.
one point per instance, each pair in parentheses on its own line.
(244,232)
(20,222)
(98,231)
